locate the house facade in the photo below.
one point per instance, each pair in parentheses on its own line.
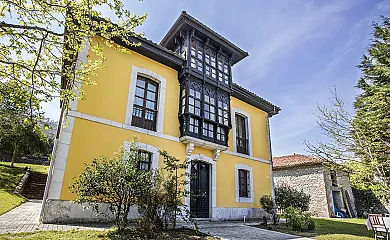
(330,190)
(176,96)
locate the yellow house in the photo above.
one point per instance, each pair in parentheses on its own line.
(176,96)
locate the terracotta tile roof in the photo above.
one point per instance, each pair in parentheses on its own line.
(295,160)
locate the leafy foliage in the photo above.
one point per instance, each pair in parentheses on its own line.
(114,181)
(40,41)
(297,220)
(362,141)
(268,205)
(286,197)
(20,131)
(373,109)
(117,181)
(163,203)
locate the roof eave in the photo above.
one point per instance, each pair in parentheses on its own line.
(239,54)
(256,101)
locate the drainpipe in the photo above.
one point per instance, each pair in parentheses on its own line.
(270,159)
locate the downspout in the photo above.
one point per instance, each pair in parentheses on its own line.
(270,159)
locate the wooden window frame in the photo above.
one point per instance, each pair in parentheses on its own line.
(221,112)
(208,105)
(142,121)
(196,58)
(148,162)
(243,183)
(242,148)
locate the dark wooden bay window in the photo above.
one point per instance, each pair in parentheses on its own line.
(243,183)
(241,135)
(209,103)
(210,63)
(223,69)
(145,104)
(223,109)
(197,55)
(194,98)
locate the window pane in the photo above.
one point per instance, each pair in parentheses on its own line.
(152,87)
(139,92)
(200,51)
(151,96)
(193,47)
(139,101)
(141,83)
(150,104)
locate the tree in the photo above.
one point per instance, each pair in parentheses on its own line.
(372,107)
(19,132)
(40,41)
(114,181)
(361,142)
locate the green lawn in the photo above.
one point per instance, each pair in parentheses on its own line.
(104,235)
(9,179)
(332,229)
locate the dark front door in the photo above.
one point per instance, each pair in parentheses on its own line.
(200,188)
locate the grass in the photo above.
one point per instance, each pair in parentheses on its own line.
(9,179)
(32,167)
(184,234)
(332,229)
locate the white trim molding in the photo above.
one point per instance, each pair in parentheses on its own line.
(247,116)
(213,181)
(162,84)
(149,148)
(247,156)
(249,199)
(60,153)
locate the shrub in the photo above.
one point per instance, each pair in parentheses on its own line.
(162,203)
(268,205)
(297,220)
(285,197)
(114,181)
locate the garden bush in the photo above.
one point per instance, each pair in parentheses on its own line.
(285,197)
(297,220)
(268,206)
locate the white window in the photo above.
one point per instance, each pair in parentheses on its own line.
(244,183)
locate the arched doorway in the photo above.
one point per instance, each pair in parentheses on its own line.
(200,189)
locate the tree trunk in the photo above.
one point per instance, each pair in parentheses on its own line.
(14,155)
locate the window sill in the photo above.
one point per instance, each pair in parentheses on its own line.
(245,199)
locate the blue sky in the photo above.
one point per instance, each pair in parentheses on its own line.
(298,51)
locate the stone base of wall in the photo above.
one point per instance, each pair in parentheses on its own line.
(59,211)
(238,213)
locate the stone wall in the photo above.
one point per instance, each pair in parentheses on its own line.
(59,211)
(310,179)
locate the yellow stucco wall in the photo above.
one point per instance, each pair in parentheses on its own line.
(259,131)
(109,100)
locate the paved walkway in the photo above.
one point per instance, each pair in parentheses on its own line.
(25,218)
(237,230)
